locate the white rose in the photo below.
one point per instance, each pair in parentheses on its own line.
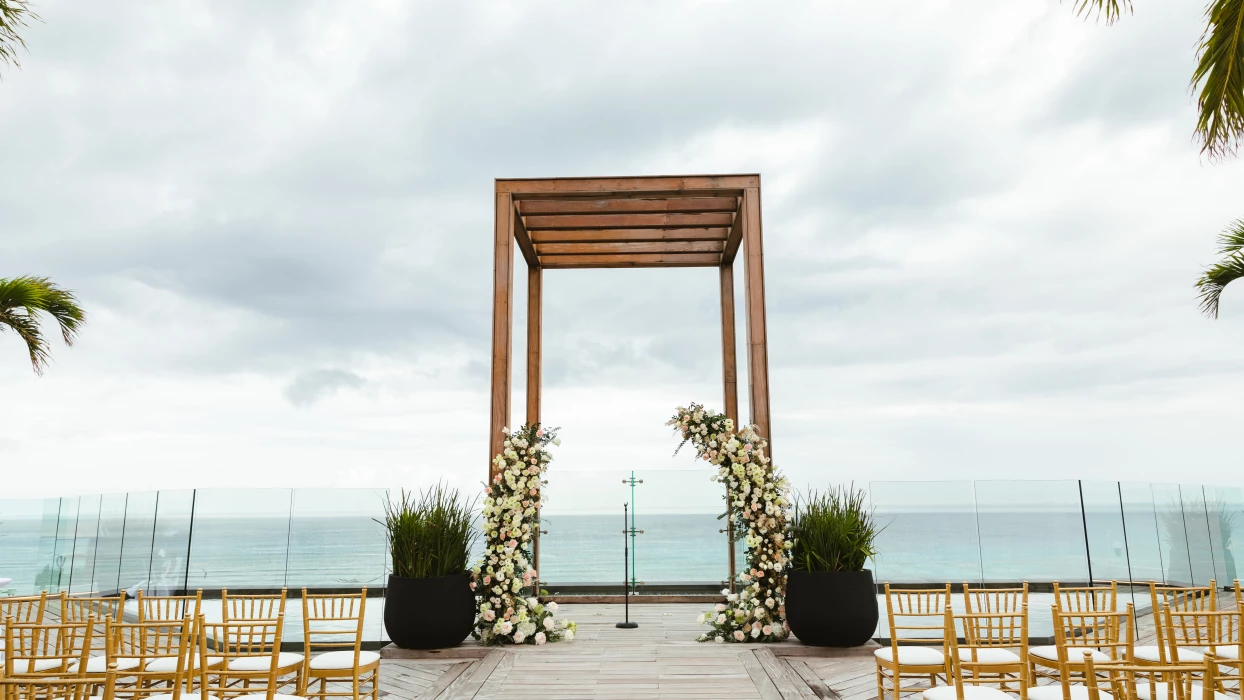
(755,632)
(721,619)
(548,624)
(552,606)
(568,635)
(540,638)
(557,441)
(519,637)
(720,607)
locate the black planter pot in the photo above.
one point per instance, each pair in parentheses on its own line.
(429,613)
(831,608)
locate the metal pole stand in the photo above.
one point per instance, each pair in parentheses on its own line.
(626,570)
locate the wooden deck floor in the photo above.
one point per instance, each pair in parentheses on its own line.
(660,659)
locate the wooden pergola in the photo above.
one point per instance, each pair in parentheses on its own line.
(603,222)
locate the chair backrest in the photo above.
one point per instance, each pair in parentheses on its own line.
(983,631)
(916,616)
(43,688)
(24,609)
(153,640)
(333,620)
(48,649)
(994,600)
(251,607)
(80,608)
(1109,632)
(239,657)
(1183,598)
(1216,629)
(1122,681)
(169,607)
(1087,598)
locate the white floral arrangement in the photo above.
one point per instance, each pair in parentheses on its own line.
(759,498)
(511,519)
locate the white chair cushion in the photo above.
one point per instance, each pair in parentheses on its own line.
(185,695)
(1142,692)
(99,664)
(263,663)
(990,656)
(1231,652)
(912,656)
(1055,692)
(970,692)
(1150,654)
(168,664)
(24,665)
(1075,655)
(342,660)
(263,696)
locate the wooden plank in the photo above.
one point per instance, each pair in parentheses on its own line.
(447,678)
(628,248)
(760,679)
(623,235)
(734,238)
(523,238)
(636,205)
(813,681)
(475,678)
(535,312)
(563,262)
(598,221)
(787,683)
(757,342)
(502,322)
(658,184)
(730,388)
(465,651)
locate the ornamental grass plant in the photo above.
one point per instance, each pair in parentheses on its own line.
(833,531)
(430,534)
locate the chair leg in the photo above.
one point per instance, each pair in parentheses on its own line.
(880,685)
(898,683)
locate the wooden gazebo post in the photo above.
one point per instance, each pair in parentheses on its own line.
(682,221)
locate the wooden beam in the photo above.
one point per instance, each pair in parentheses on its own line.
(658,184)
(563,262)
(730,385)
(621,235)
(637,205)
(544,249)
(524,242)
(734,239)
(757,342)
(590,221)
(502,323)
(535,300)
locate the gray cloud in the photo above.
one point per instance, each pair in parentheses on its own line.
(310,387)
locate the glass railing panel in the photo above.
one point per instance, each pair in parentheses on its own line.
(1227,522)
(171,542)
(1172,535)
(583,517)
(1196,525)
(48,574)
(1144,548)
(1031,530)
(108,543)
(82,566)
(1103,523)
(929,532)
(137,535)
(683,540)
(241,538)
(21,525)
(62,550)
(335,540)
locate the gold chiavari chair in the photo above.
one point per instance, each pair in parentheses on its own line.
(79,608)
(22,610)
(999,600)
(157,653)
(983,634)
(917,624)
(61,688)
(1216,632)
(1180,681)
(1184,599)
(48,649)
(169,607)
(1043,659)
(242,608)
(239,659)
(336,621)
(1106,637)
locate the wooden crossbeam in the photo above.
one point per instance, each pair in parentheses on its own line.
(553,249)
(710,184)
(671,205)
(734,239)
(622,235)
(590,221)
(562,262)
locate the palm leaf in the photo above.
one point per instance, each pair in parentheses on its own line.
(1225,271)
(14,15)
(1220,78)
(24,299)
(1109,10)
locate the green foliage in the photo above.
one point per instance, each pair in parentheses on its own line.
(430,535)
(14,15)
(833,531)
(1229,269)
(1109,10)
(1220,75)
(24,299)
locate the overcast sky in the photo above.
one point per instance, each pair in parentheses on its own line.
(982,224)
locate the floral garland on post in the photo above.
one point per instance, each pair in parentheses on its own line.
(511,518)
(759,498)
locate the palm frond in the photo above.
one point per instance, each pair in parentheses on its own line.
(14,15)
(1219,77)
(1108,10)
(1225,271)
(24,299)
